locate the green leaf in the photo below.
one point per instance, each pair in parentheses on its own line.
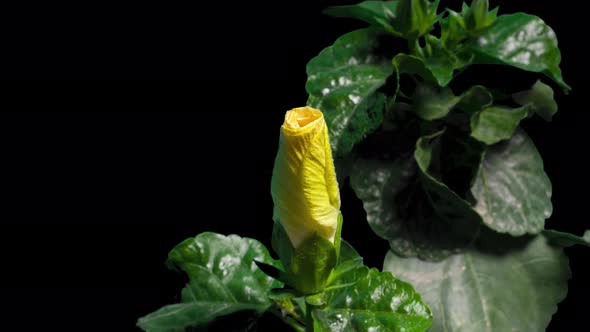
(475,99)
(359,299)
(497,123)
(376,13)
(374,301)
(463,222)
(512,191)
(431,103)
(539,98)
(178,317)
(523,41)
(352,298)
(349,262)
(483,290)
(437,69)
(342,81)
(412,65)
(224,279)
(441,61)
(400,210)
(566,239)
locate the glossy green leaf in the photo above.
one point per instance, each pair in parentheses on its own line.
(342,81)
(566,239)
(490,290)
(401,210)
(431,103)
(523,41)
(223,279)
(374,301)
(376,13)
(497,123)
(349,262)
(512,191)
(539,98)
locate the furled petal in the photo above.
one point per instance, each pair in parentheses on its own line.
(304,187)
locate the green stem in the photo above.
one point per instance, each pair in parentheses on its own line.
(428,47)
(293,323)
(415,48)
(288,320)
(308,317)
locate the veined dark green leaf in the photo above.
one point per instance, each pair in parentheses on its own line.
(566,239)
(512,191)
(342,81)
(523,41)
(462,221)
(368,300)
(223,279)
(497,123)
(539,98)
(481,290)
(376,13)
(400,209)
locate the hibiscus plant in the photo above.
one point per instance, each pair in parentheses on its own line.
(445,173)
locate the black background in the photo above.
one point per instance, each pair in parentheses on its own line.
(102,178)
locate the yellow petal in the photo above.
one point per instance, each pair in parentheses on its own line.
(304,187)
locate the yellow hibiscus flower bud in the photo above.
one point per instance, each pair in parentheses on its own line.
(304,187)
